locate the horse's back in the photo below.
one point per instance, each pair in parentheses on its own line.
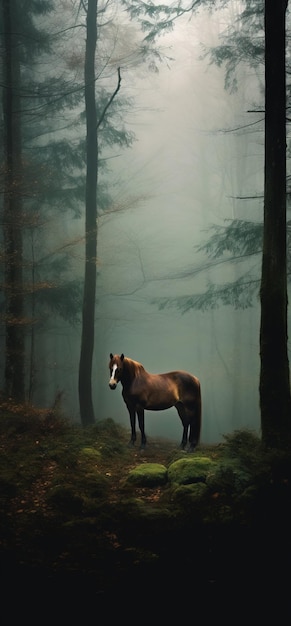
(184,378)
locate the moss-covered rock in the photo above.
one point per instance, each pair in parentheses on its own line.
(190,470)
(192,492)
(190,502)
(148,475)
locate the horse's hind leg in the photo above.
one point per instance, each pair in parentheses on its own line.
(194,433)
(195,421)
(140,417)
(195,427)
(189,418)
(185,422)
(185,434)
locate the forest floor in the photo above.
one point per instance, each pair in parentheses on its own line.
(82,545)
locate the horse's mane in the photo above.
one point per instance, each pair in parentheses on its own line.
(134,367)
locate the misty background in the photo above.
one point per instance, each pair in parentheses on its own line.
(184,172)
(198,151)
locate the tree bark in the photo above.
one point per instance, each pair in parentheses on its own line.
(275,402)
(88,313)
(12,210)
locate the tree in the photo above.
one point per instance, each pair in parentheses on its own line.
(52,184)
(87,339)
(27,188)
(92,166)
(275,400)
(12,210)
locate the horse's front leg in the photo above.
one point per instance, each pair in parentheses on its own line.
(132,426)
(140,416)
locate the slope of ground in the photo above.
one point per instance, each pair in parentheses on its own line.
(82,544)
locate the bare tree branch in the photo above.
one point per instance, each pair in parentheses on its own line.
(110,99)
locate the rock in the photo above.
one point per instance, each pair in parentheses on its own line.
(190,470)
(148,475)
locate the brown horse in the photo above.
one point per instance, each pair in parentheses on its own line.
(156,392)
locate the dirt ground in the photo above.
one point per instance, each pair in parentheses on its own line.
(79,548)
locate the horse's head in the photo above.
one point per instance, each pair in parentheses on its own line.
(116,369)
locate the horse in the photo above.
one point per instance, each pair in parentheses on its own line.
(156,392)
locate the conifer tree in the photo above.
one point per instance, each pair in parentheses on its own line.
(52,155)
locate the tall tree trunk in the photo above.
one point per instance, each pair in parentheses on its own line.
(275,401)
(12,214)
(87,339)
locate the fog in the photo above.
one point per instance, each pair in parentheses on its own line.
(191,171)
(193,157)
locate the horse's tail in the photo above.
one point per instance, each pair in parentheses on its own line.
(198,412)
(195,424)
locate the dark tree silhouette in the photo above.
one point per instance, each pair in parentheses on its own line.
(88,312)
(93,121)
(12,209)
(275,398)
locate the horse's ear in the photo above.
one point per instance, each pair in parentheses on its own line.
(111,355)
(122,356)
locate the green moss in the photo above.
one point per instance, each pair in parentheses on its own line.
(148,475)
(111,438)
(66,499)
(191,502)
(94,484)
(90,455)
(229,478)
(153,512)
(242,443)
(194,492)
(109,426)
(190,470)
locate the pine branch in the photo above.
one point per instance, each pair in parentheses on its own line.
(110,99)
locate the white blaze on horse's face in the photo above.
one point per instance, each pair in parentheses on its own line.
(113,382)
